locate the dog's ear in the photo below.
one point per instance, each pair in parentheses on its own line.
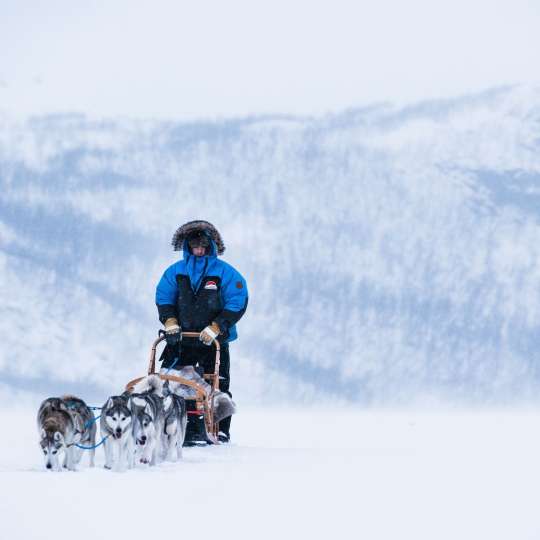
(148,411)
(167,402)
(58,436)
(43,434)
(110,403)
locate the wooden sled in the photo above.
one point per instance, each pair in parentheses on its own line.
(201,427)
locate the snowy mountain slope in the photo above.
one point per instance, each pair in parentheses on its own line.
(392,254)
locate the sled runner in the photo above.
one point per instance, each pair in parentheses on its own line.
(201,427)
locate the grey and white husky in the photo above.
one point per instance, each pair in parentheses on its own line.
(174,424)
(63,423)
(116,425)
(148,419)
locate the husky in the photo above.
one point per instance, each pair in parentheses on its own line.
(85,425)
(63,423)
(116,425)
(174,424)
(148,419)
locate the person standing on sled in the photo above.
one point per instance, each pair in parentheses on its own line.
(201,293)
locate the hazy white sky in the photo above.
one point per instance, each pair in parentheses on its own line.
(176,59)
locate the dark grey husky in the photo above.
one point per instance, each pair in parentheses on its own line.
(174,425)
(63,423)
(148,419)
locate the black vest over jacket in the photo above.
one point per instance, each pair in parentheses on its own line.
(198,310)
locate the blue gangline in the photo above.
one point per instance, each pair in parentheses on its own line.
(94,446)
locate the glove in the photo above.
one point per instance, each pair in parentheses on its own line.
(172,332)
(210,333)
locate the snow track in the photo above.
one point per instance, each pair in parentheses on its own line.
(306,474)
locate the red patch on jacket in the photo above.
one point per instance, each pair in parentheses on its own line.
(239,285)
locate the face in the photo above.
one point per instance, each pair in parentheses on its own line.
(118,421)
(198,245)
(143,428)
(51,446)
(198,251)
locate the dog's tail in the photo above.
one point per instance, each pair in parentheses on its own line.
(152,384)
(224,406)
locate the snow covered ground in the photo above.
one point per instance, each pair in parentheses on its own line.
(301,474)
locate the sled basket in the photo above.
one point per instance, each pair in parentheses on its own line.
(201,428)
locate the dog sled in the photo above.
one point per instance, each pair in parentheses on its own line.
(202,428)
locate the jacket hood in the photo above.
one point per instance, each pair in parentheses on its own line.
(190,227)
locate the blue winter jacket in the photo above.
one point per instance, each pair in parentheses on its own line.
(200,290)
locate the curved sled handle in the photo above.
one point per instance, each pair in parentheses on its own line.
(200,393)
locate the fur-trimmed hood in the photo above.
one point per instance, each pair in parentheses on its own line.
(197,226)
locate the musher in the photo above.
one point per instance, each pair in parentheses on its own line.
(201,293)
